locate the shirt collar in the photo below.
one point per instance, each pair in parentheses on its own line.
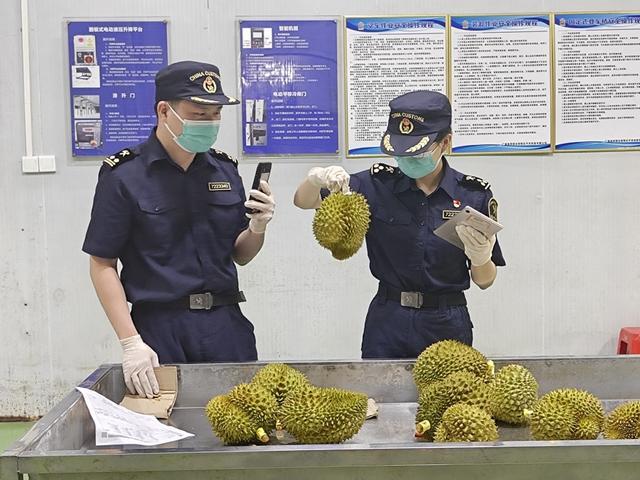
(447,183)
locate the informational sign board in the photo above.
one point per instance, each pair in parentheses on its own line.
(288,71)
(112,67)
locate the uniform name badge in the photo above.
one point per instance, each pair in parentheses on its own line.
(219,186)
(447,214)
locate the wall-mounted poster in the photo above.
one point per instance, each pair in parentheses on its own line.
(112,68)
(386,57)
(289,83)
(597,65)
(501,84)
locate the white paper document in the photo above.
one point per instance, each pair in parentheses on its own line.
(116,425)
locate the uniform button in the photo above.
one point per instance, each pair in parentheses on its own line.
(422,223)
(391,220)
(422,204)
(156,209)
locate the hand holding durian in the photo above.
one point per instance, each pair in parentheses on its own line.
(333,178)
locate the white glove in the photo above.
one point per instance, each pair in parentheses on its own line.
(264,204)
(138,360)
(477,247)
(333,178)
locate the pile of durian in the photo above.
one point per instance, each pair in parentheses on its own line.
(279,397)
(460,398)
(341,223)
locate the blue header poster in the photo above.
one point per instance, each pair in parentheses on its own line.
(289,87)
(112,68)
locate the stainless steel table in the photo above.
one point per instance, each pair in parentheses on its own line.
(61,445)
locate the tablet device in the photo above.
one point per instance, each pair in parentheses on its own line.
(467,216)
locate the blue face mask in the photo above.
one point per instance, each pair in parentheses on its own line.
(197,135)
(418,166)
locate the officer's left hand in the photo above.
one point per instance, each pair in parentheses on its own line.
(477,246)
(264,206)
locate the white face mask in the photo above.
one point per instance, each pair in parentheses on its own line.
(197,135)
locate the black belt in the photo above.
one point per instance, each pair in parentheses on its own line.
(420,299)
(200,301)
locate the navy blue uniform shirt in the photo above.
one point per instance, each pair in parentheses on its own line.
(173,230)
(403,250)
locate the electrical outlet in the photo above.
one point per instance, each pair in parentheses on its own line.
(30,164)
(47,163)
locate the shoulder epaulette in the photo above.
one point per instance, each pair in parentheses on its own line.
(381,170)
(119,158)
(472,182)
(224,156)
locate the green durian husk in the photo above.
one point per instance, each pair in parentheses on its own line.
(566,414)
(232,424)
(323,415)
(443,358)
(466,423)
(341,223)
(623,422)
(513,390)
(437,397)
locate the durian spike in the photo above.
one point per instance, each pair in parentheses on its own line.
(262,435)
(491,368)
(422,427)
(527,414)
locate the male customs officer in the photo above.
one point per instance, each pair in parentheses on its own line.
(420,297)
(172,210)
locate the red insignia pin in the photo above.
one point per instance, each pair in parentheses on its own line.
(457,203)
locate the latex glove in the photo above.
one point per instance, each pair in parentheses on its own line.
(264,204)
(477,247)
(333,178)
(138,360)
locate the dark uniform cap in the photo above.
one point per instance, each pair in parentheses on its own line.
(194,81)
(415,120)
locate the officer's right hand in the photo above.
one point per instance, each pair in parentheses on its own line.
(333,178)
(138,360)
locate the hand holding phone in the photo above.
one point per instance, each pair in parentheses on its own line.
(263,172)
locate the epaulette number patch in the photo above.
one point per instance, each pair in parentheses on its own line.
(378,168)
(225,156)
(120,157)
(474,182)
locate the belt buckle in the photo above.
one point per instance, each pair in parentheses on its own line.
(201,301)
(411,299)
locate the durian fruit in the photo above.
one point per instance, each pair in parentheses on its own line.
(329,221)
(436,397)
(566,414)
(466,423)
(513,390)
(323,415)
(623,422)
(257,402)
(341,223)
(280,379)
(443,358)
(232,424)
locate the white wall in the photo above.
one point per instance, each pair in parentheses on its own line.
(571,241)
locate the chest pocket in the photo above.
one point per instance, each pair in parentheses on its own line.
(225,212)
(390,226)
(161,220)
